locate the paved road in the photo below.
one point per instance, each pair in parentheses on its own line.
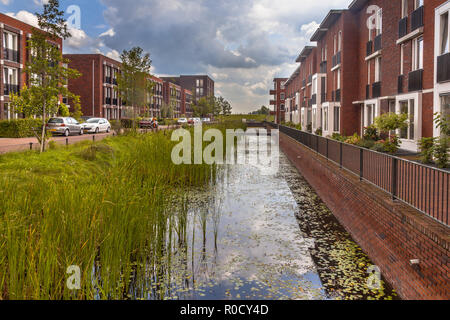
(22,144)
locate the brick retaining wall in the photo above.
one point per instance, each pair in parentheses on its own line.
(391,233)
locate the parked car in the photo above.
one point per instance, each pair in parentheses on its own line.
(64,126)
(190,121)
(148,123)
(206,120)
(196,121)
(96,125)
(182,121)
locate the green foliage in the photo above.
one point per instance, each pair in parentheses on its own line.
(133,84)
(20,128)
(338,137)
(63,110)
(355,140)
(442,122)
(441,150)
(319,131)
(204,107)
(391,121)
(263,110)
(426,146)
(371,133)
(222,106)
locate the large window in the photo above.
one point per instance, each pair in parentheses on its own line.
(418,3)
(444,37)
(404,8)
(378,69)
(379,22)
(445,105)
(418,53)
(325,118)
(337,120)
(407,106)
(282,96)
(370,113)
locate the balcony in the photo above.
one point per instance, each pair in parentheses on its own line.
(115,102)
(108,101)
(403,27)
(417,18)
(273,92)
(337,59)
(114,81)
(304,83)
(400,84)
(415,80)
(323,67)
(10,88)
(309,78)
(323,97)
(337,95)
(377,43)
(376,89)
(108,80)
(369,48)
(11,55)
(332,95)
(314,99)
(368,91)
(443,68)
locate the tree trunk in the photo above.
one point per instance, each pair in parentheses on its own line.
(43,129)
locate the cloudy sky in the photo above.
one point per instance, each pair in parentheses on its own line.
(241,44)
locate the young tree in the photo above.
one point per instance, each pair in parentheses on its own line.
(133,83)
(46,68)
(223,106)
(203,107)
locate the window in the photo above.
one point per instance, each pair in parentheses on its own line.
(404,8)
(314,86)
(445,105)
(282,107)
(368,71)
(418,53)
(370,113)
(325,118)
(378,69)
(402,55)
(444,41)
(10,41)
(10,76)
(407,107)
(338,79)
(340,41)
(314,117)
(418,3)
(379,22)
(336,119)
(282,96)
(335,45)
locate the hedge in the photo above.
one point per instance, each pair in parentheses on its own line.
(20,128)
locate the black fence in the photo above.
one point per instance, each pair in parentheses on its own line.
(423,187)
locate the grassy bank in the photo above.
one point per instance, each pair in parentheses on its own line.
(102,206)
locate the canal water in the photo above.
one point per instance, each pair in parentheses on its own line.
(254,236)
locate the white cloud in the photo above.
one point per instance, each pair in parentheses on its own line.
(109,33)
(25,16)
(5,2)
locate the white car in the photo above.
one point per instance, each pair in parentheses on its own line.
(206,120)
(182,121)
(96,125)
(196,121)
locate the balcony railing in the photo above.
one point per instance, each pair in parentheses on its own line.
(403,27)
(368,91)
(369,48)
(10,88)
(108,80)
(11,55)
(337,59)
(115,102)
(377,43)
(443,67)
(323,97)
(114,81)
(309,78)
(417,18)
(323,67)
(376,89)
(108,101)
(415,80)
(422,187)
(314,99)
(304,83)
(400,84)
(337,95)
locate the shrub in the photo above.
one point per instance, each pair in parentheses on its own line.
(378,146)
(338,137)
(319,132)
(366,143)
(309,128)
(355,139)
(371,133)
(391,121)
(20,128)
(426,146)
(441,150)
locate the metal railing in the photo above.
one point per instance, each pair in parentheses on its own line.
(422,187)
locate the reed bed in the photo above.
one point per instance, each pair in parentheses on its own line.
(105,207)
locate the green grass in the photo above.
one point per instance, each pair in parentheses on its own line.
(103,206)
(239,117)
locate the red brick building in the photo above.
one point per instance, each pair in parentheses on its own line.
(186,103)
(374,57)
(97,87)
(172,98)
(13,57)
(156,98)
(279,97)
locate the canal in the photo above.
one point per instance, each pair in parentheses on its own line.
(256,236)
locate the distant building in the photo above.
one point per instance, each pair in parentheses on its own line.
(13,56)
(279,96)
(200,85)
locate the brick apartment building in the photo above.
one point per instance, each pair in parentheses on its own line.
(186,103)
(13,57)
(157,98)
(279,97)
(172,98)
(97,87)
(200,85)
(374,57)
(292,91)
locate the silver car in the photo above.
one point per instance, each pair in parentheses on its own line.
(64,126)
(96,125)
